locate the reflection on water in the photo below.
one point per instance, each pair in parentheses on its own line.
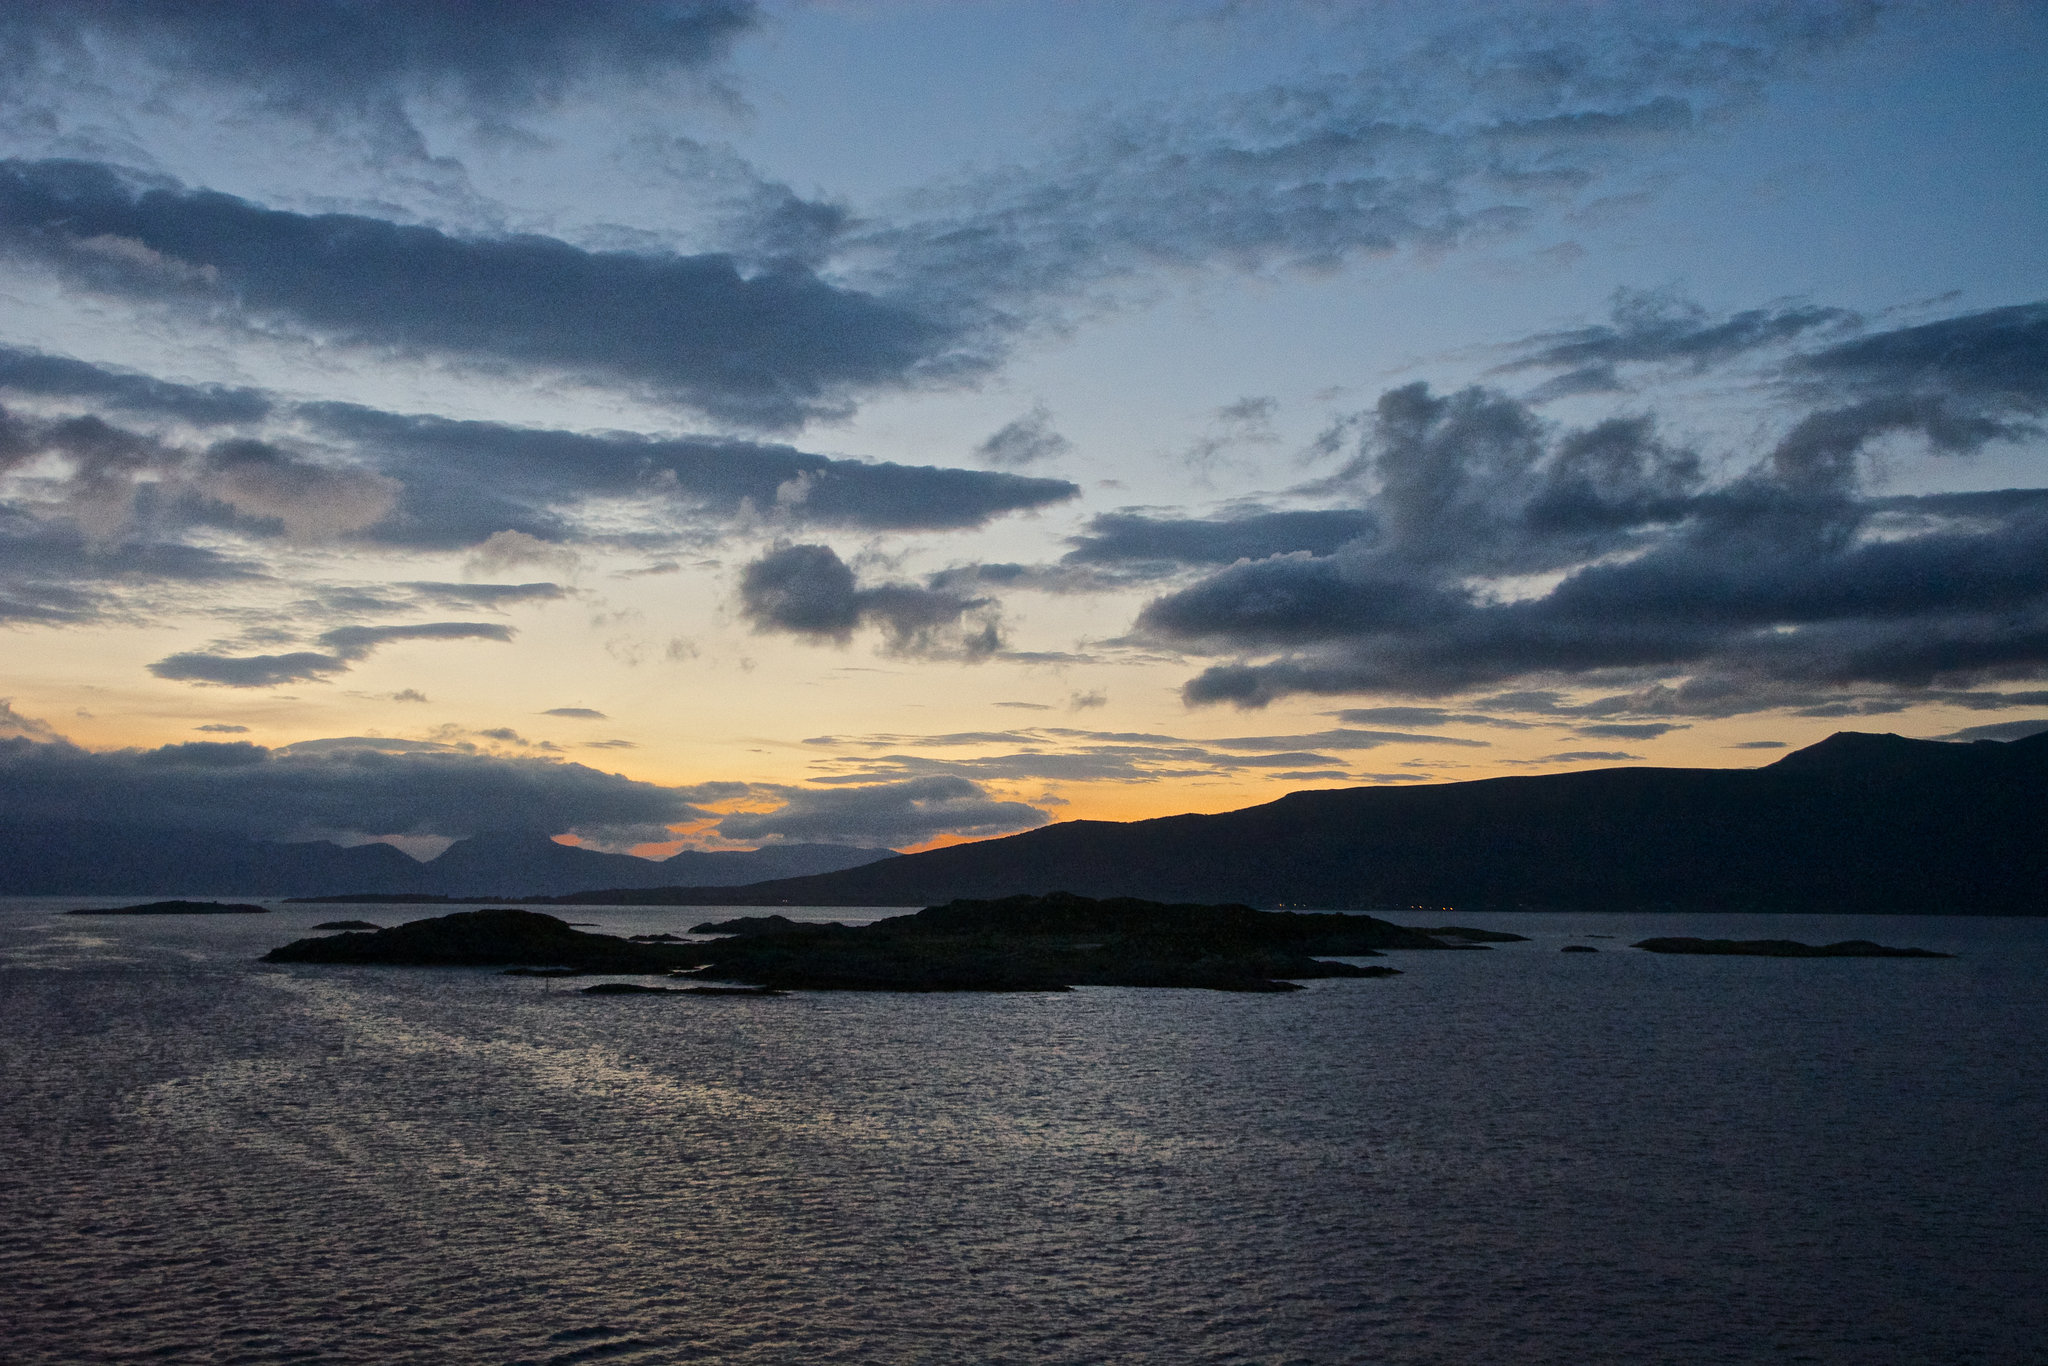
(1516,1155)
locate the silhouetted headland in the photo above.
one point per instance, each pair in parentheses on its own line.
(1783,948)
(177,908)
(347,925)
(1868,824)
(1025,943)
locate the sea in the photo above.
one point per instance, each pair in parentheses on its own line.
(1513,1155)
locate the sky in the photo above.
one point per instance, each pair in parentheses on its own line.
(713,424)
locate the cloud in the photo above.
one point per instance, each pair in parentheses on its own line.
(347,646)
(465,481)
(325,57)
(507,550)
(1025,441)
(1070,754)
(357,642)
(309,501)
(1468,135)
(218,729)
(487,594)
(575,713)
(39,375)
(518,494)
(248,671)
(1345,739)
(1423,716)
(1622,730)
(13,725)
(103,478)
(1508,548)
(346,786)
(1658,328)
(51,575)
(1582,756)
(770,348)
(1998,357)
(808,591)
(886,814)
(801,590)
(1761,744)
(1164,544)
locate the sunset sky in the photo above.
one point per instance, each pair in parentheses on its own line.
(892,423)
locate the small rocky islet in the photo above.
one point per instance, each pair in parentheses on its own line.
(1782,948)
(1022,943)
(176,908)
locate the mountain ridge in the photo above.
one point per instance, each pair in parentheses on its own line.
(1858,821)
(85,858)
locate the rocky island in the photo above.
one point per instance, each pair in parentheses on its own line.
(177,908)
(1783,948)
(1021,943)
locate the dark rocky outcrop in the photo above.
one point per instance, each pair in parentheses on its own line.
(347,925)
(1472,936)
(499,937)
(1578,948)
(1045,943)
(1783,948)
(753,924)
(178,908)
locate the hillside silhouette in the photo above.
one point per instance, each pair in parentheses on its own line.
(1857,822)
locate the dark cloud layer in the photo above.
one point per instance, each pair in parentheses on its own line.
(362,787)
(117,512)
(346,645)
(1650,328)
(1998,357)
(52,575)
(333,56)
(106,525)
(464,481)
(374,787)
(887,814)
(1788,578)
(807,590)
(34,373)
(768,348)
(1130,539)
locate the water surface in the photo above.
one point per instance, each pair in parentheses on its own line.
(1514,1155)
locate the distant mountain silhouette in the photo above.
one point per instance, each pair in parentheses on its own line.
(1857,822)
(73,858)
(534,865)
